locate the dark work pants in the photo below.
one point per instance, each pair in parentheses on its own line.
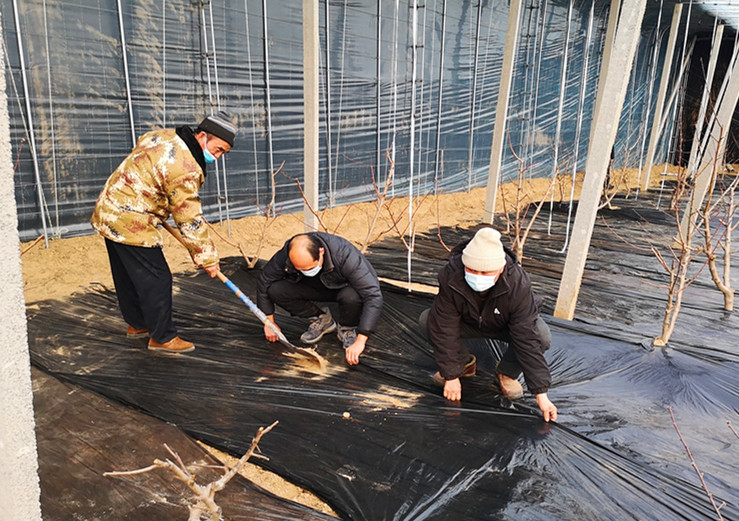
(508,364)
(143,285)
(299,298)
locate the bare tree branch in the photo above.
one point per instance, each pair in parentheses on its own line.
(202,502)
(717,508)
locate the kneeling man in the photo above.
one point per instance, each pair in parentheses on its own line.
(485,293)
(320,267)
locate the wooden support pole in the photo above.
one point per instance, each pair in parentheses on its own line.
(606,121)
(311,50)
(501,110)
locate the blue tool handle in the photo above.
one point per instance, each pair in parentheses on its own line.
(253,307)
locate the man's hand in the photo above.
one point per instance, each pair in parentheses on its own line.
(547,408)
(268,333)
(453,390)
(356,349)
(213,271)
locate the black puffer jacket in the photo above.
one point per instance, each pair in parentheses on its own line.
(343,265)
(510,304)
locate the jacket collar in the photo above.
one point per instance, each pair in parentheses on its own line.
(187,135)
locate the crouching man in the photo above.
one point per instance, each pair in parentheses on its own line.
(316,268)
(485,293)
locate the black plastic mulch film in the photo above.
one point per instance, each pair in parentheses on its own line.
(380,442)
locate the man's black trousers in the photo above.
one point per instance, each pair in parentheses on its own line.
(508,364)
(299,298)
(143,285)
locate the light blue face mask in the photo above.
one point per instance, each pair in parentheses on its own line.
(209,158)
(311,272)
(480,282)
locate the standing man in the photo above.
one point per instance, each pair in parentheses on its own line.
(320,267)
(160,177)
(484,292)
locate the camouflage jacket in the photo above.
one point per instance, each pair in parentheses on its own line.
(159,178)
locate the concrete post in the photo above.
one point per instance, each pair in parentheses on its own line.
(614,87)
(501,110)
(19,484)
(713,152)
(658,108)
(311,50)
(698,134)
(613,15)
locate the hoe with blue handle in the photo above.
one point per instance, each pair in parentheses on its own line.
(309,353)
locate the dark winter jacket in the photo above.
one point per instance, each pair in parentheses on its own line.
(509,305)
(343,265)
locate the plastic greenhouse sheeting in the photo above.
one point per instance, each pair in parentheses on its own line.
(379,441)
(80,435)
(90,96)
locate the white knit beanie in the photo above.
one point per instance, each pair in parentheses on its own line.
(485,251)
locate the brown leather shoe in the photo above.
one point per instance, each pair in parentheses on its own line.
(176,345)
(132,332)
(469,370)
(510,387)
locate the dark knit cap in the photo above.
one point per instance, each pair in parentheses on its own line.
(220,125)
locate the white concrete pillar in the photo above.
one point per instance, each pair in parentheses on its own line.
(19,484)
(657,117)
(701,120)
(613,15)
(501,110)
(614,87)
(713,154)
(311,50)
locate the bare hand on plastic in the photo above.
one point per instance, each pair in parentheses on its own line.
(549,411)
(453,390)
(356,349)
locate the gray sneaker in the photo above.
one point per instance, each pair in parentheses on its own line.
(319,326)
(347,335)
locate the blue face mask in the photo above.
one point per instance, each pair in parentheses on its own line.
(480,282)
(209,158)
(311,272)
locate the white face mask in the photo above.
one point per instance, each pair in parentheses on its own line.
(480,282)
(311,272)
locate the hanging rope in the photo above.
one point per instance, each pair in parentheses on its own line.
(580,111)
(412,150)
(683,66)
(29,127)
(473,66)
(437,157)
(341,101)
(251,100)
(329,150)
(560,109)
(655,56)
(55,179)
(265,37)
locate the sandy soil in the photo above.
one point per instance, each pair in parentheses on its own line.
(75,264)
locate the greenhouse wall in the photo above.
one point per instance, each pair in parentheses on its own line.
(97,75)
